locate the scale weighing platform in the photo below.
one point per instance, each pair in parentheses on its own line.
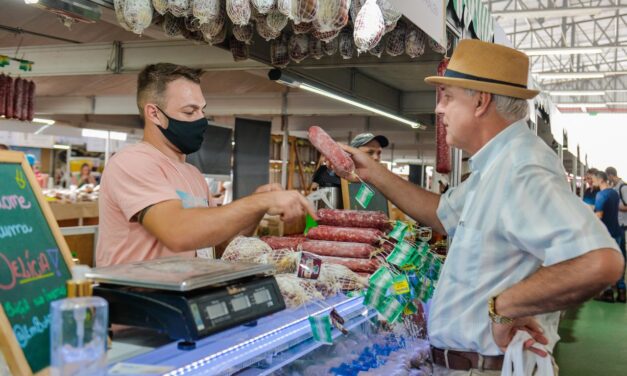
(187,298)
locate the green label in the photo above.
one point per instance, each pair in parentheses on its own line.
(391,310)
(402,254)
(321,328)
(400,285)
(398,232)
(364,196)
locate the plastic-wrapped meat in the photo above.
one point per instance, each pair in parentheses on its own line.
(341,160)
(9,85)
(205,10)
(355,264)
(327,36)
(338,249)
(298,47)
(285,7)
(179,8)
(330,48)
(415,41)
(390,14)
(263,6)
(341,277)
(3,94)
(332,15)
(161,6)
(302,28)
(118,5)
(264,30)
(279,56)
(378,49)
(243,33)
(371,236)
(245,249)
(369,26)
(212,29)
(307,10)
(354,218)
(346,46)
(315,49)
(395,45)
(442,149)
(18,98)
(276,21)
(137,14)
(283,242)
(238,11)
(238,49)
(297,291)
(436,47)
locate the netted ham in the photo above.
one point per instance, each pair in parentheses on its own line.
(179,8)
(118,6)
(245,249)
(378,49)
(161,6)
(390,14)
(330,48)
(326,36)
(205,10)
(239,50)
(371,236)
(332,15)
(283,242)
(343,165)
(354,218)
(355,264)
(279,56)
(395,44)
(415,41)
(243,33)
(315,49)
(302,28)
(212,29)
(346,46)
(172,26)
(369,26)
(221,37)
(263,6)
(285,7)
(442,149)
(191,23)
(436,47)
(341,278)
(265,31)
(276,21)
(306,11)
(137,14)
(338,249)
(238,11)
(298,47)
(297,291)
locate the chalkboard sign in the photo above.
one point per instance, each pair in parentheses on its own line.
(34,266)
(349,195)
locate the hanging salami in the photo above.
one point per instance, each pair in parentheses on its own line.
(369,26)
(31,101)
(18,101)
(443,151)
(9,85)
(3,94)
(25,99)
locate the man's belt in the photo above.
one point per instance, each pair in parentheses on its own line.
(464,361)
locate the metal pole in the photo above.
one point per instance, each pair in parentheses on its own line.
(456,168)
(286,142)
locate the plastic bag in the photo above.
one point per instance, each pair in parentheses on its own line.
(390,14)
(180,8)
(238,11)
(243,33)
(276,21)
(302,28)
(395,45)
(347,47)
(205,10)
(298,47)
(161,6)
(332,15)
(239,50)
(521,362)
(137,14)
(285,7)
(315,48)
(414,42)
(263,6)
(330,48)
(118,5)
(369,26)
(307,10)
(279,56)
(265,31)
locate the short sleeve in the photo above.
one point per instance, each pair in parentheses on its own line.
(136,183)
(599,201)
(547,220)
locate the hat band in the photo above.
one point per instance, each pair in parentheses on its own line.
(455,74)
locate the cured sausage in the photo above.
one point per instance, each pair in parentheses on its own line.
(443,151)
(338,249)
(30,115)
(342,162)
(25,100)
(9,84)
(3,92)
(346,234)
(18,89)
(280,242)
(354,264)
(354,218)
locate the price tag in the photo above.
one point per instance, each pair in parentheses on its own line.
(400,285)
(364,195)
(398,232)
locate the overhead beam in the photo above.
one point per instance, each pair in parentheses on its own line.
(554,12)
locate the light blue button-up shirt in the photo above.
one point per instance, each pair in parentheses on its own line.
(513,214)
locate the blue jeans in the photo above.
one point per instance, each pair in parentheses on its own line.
(620,239)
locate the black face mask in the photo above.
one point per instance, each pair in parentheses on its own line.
(187,136)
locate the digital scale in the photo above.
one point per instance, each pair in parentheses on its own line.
(187,299)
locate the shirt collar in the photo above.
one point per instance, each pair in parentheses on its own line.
(484,158)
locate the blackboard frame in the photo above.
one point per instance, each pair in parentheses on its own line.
(9,346)
(347,197)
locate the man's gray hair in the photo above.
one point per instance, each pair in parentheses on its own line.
(510,108)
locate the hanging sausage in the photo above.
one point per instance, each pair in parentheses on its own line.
(31,101)
(443,151)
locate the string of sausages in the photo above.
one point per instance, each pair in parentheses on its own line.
(17,98)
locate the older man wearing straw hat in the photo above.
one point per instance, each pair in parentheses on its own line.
(524,246)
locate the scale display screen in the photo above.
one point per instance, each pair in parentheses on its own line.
(262,296)
(218,310)
(239,303)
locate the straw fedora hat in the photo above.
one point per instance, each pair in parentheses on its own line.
(487,67)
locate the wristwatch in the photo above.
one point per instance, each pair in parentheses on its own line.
(495,317)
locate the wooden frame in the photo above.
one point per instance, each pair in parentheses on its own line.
(347,202)
(15,358)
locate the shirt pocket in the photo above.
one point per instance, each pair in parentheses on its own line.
(465,255)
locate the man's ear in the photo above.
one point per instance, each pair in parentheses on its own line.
(483,102)
(152,113)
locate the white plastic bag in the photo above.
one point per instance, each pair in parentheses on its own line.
(138,14)
(263,6)
(239,11)
(521,362)
(369,26)
(205,10)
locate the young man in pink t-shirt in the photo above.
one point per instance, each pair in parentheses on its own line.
(152,203)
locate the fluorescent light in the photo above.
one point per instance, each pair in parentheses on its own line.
(578,105)
(61,147)
(95,133)
(42,128)
(31,1)
(43,121)
(562,51)
(280,77)
(617,103)
(577,93)
(120,136)
(568,75)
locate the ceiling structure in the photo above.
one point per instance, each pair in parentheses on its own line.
(578,49)
(86,75)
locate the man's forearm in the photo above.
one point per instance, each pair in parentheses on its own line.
(562,285)
(414,201)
